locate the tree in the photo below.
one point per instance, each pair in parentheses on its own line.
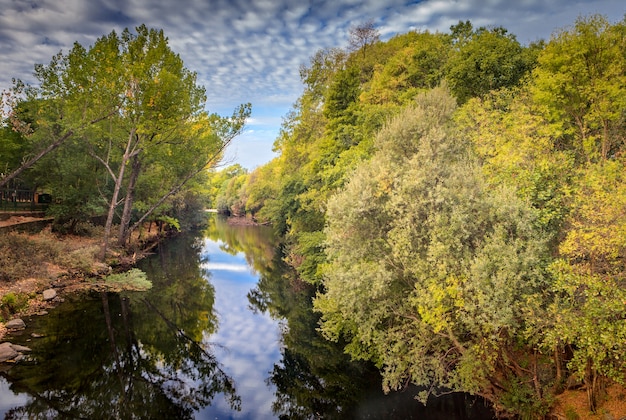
(580,80)
(484,60)
(134,106)
(413,68)
(430,272)
(589,312)
(362,36)
(519,148)
(26,108)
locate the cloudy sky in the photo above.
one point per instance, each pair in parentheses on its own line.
(251,50)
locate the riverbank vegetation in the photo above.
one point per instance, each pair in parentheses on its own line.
(458,201)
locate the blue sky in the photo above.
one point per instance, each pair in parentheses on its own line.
(251,50)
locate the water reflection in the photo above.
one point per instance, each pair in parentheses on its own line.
(131,355)
(248,342)
(314,378)
(226,331)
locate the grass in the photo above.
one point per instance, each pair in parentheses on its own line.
(12,303)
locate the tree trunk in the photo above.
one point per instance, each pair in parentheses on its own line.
(591,383)
(178,186)
(116,192)
(128,202)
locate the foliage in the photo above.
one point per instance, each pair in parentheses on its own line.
(12,303)
(580,81)
(417,66)
(430,272)
(128,119)
(483,60)
(518,148)
(133,279)
(461,248)
(590,291)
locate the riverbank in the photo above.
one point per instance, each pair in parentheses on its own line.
(33,262)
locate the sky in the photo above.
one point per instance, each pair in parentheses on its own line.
(251,50)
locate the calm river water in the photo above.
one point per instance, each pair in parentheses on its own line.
(225,333)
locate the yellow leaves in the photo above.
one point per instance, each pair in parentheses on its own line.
(385,187)
(436,304)
(597,224)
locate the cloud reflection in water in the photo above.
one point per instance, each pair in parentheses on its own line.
(246,344)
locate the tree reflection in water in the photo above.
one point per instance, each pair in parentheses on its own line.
(143,355)
(137,355)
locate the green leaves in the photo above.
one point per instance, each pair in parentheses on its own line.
(580,80)
(485,60)
(430,272)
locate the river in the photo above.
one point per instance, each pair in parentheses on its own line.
(226,332)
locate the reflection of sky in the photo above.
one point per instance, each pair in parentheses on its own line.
(246,344)
(8,399)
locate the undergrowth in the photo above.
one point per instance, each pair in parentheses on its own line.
(134,279)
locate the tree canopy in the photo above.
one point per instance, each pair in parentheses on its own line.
(457,200)
(131,121)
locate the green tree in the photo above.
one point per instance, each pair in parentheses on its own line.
(580,80)
(485,60)
(589,313)
(417,66)
(431,272)
(519,148)
(138,111)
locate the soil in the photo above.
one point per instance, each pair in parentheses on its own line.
(572,404)
(16,220)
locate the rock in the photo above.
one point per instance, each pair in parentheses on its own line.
(15,324)
(7,352)
(49,294)
(36,335)
(20,349)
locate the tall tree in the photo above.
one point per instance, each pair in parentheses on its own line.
(581,81)
(132,103)
(430,271)
(363,36)
(484,60)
